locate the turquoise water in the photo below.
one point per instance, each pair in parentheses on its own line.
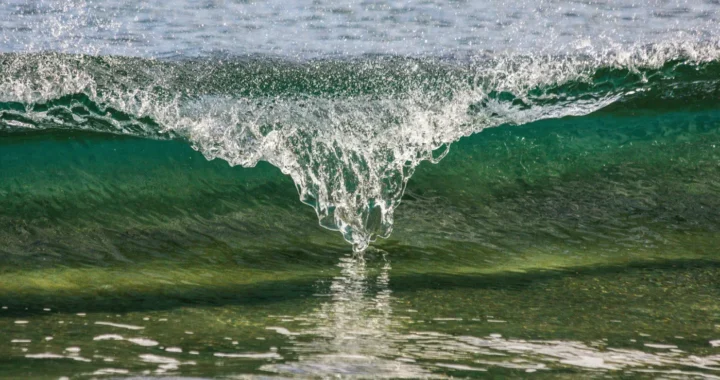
(593,253)
(359,190)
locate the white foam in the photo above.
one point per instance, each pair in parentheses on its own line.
(350,156)
(461,367)
(660,346)
(143,342)
(44,356)
(109,337)
(110,371)
(249,355)
(281,330)
(150,358)
(119,325)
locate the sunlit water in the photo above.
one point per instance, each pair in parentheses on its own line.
(532,189)
(354,324)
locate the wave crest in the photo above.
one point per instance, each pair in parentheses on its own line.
(349,133)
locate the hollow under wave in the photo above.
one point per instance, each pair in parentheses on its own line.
(349,133)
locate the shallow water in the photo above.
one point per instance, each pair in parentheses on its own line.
(374,319)
(514,209)
(563,263)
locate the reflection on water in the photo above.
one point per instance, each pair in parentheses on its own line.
(353,333)
(354,326)
(356,334)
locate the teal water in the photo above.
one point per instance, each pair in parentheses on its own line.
(614,176)
(349,133)
(436,189)
(581,246)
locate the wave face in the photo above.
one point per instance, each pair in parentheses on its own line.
(350,133)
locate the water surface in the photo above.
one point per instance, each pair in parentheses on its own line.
(520,190)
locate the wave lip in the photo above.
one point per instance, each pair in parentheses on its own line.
(349,133)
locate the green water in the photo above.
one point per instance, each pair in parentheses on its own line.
(585,247)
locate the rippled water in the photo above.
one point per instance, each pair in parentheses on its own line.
(310,28)
(362,320)
(529,189)
(563,264)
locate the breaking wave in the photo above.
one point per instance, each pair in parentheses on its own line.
(349,133)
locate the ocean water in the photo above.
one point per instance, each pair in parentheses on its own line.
(391,189)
